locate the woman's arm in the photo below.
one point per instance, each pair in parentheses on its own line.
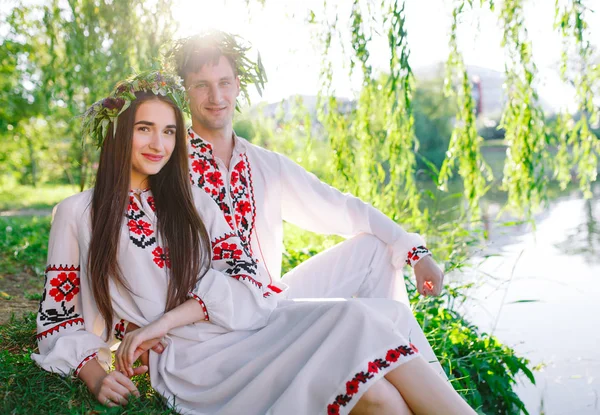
(138,341)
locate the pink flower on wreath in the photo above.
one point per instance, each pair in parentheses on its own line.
(392,355)
(140,227)
(65,286)
(352,387)
(227,251)
(161,258)
(333,409)
(214,178)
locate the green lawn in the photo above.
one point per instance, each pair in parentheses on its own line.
(42,197)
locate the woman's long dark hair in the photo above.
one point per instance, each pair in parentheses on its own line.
(179,226)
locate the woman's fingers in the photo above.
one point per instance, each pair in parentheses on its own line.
(127,385)
(115,388)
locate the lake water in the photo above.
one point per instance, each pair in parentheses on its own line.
(557,266)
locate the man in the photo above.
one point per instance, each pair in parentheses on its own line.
(257,190)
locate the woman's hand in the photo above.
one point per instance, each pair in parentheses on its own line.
(137,342)
(114,388)
(111,389)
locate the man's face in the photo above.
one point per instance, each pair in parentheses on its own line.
(213,91)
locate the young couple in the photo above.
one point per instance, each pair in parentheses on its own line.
(191,271)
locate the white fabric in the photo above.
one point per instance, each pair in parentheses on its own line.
(358,267)
(282,190)
(301,357)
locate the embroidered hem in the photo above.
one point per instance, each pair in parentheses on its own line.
(195,297)
(374,370)
(84,362)
(414,255)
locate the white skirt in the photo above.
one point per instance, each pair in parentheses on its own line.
(313,357)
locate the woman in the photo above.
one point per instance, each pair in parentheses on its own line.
(134,249)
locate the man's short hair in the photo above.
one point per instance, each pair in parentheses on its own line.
(189,54)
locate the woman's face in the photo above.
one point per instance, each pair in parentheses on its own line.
(153,140)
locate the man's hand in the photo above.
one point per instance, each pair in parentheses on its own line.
(430,278)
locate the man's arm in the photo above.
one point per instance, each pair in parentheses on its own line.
(315,206)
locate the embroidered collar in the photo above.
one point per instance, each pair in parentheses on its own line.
(198,142)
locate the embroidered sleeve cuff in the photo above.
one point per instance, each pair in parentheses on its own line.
(84,362)
(195,297)
(121,329)
(415,254)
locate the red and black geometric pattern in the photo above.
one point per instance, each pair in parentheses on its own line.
(235,200)
(72,322)
(58,304)
(415,254)
(120,329)
(235,254)
(142,234)
(140,229)
(373,367)
(161,257)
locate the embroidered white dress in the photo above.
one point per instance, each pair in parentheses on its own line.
(256,353)
(260,189)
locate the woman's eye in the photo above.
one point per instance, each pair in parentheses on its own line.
(144,129)
(170,132)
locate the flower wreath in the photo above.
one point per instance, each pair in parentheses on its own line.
(250,72)
(99,116)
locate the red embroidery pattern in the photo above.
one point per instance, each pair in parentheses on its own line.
(240,210)
(65,286)
(64,324)
(140,227)
(247,278)
(58,305)
(226,251)
(62,268)
(415,254)
(120,330)
(195,297)
(353,385)
(151,203)
(83,362)
(161,258)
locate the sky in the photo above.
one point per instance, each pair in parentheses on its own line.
(292,61)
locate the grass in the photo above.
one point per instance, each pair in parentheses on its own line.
(481,369)
(42,197)
(27,389)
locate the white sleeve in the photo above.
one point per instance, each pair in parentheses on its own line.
(233,292)
(65,346)
(315,206)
